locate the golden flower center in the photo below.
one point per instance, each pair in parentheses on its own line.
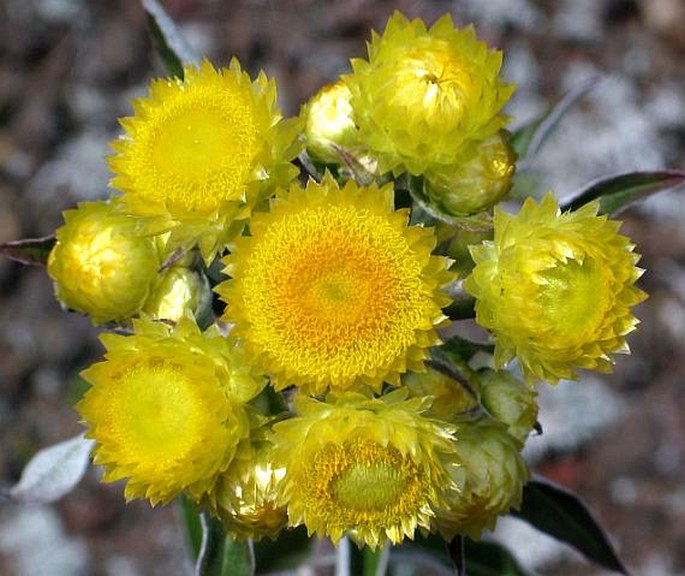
(575,297)
(334,293)
(199,153)
(364,484)
(154,414)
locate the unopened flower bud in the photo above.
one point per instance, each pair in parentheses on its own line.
(328,122)
(99,265)
(451,399)
(177,288)
(489,474)
(510,401)
(477,182)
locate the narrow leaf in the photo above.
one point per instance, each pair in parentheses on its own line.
(169,42)
(617,193)
(465,349)
(32,251)
(491,559)
(561,514)
(53,472)
(529,138)
(220,555)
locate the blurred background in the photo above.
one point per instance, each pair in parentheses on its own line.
(68,70)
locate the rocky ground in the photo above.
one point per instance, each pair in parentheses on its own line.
(68,69)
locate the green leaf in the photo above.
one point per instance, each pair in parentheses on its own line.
(617,193)
(290,550)
(561,514)
(491,559)
(529,138)
(220,555)
(170,44)
(32,251)
(193,524)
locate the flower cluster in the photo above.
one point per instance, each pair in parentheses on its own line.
(316,389)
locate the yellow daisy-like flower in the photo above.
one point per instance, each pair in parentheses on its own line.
(199,152)
(165,410)
(425,95)
(556,289)
(365,467)
(334,289)
(100,266)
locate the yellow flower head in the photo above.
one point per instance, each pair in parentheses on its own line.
(334,289)
(165,410)
(426,95)
(199,152)
(328,122)
(556,289)
(489,474)
(176,290)
(365,467)
(246,495)
(100,266)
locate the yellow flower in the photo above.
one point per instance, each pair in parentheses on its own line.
(245,497)
(365,467)
(178,288)
(328,122)
(165,410)
(426,95)
(334,289)
(199,152)
(100,266)
(489,474)
(556,289)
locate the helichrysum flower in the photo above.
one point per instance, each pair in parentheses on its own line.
(100,266)
(369,468)
(556,289)
(510,401)
(328,122)
(246,496)
(199,152)
(426,95)
(333,288)
(489,474)
(176,290)
(165,410)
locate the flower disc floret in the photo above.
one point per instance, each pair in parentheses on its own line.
(556,289)
(334,289)
(199,152)
(99,264)
(163,411)
(426,95)
(365,467)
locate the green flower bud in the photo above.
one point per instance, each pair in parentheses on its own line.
(477,182)
(510,401)
(490,475)
(100,266)
(452,399)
